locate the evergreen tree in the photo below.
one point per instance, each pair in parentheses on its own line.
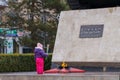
(38,17)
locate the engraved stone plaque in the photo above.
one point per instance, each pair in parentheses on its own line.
(91,31)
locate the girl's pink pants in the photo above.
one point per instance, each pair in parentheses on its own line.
(40,65)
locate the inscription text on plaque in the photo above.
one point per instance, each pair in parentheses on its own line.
(91,31)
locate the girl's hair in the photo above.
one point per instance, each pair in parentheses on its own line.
(39,45)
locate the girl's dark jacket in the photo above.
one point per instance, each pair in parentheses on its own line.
(39,53)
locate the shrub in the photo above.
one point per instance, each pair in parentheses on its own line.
(20,62)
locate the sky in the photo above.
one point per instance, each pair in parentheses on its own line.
(3,3)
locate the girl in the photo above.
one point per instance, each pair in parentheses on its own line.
(39,55)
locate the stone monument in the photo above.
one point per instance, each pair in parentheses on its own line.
(88,37)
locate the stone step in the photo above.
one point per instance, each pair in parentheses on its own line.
(61,76)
